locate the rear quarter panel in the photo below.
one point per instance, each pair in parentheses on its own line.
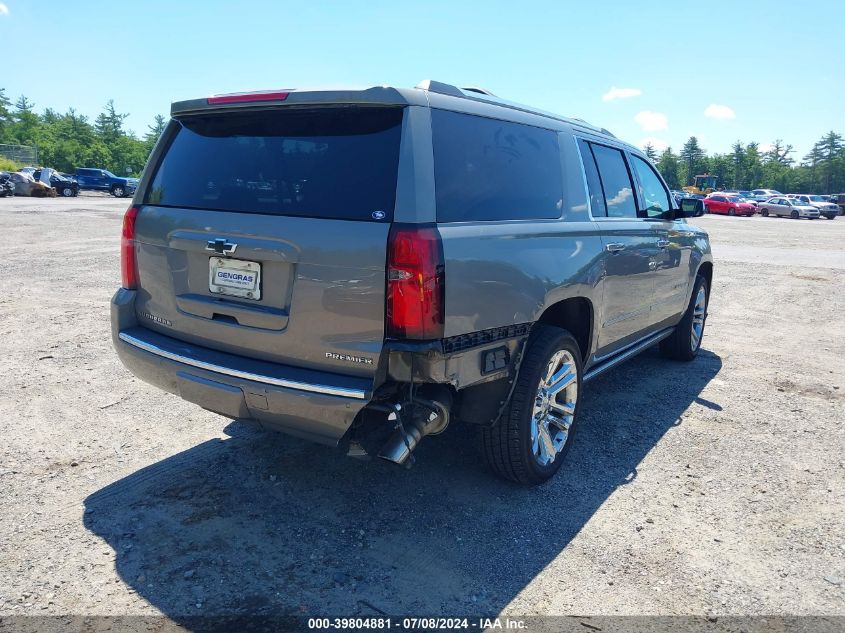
(505,273)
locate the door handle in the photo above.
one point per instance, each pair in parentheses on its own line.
(662,243)
(615,247)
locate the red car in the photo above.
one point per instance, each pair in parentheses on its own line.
(728,205)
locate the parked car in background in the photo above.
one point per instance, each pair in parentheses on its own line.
(787,207)
(826,208)
(839,200)
(27,170)
(26,185)
(7,187)
(103,180)
(728,205)
(63,186)
(761,195)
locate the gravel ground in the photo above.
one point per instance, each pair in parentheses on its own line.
(710,488)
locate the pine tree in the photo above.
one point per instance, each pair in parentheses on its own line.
(738,166)
(154,132)
(833,156)
(667,165)
(109,124)
(691,156)
(5,115)
(779,153)
(811,162)
(649,151)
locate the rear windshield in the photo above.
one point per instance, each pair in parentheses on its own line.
(338,162)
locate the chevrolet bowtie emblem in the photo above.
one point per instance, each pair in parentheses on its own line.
(221,247)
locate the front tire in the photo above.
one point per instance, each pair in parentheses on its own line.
(118,191)
(67,192)
(685,341)
(530,441)
(794,215)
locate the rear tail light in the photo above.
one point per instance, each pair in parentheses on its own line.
(415,283)
(128,263)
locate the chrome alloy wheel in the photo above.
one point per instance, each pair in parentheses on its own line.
(554,407)
(698,312)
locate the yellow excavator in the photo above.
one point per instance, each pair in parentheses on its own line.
(703,184)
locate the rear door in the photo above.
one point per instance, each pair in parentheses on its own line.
(630,246)
(717,204)
(83,178)
(264,234)
(779,206)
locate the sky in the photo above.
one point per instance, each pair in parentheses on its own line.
(646,70)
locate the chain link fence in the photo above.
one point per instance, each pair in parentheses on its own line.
(23,154)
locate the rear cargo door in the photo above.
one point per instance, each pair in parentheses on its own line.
(264,234)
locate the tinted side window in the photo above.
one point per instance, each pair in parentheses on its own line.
(597,205)
(485,169)
(651,189)
(616,182)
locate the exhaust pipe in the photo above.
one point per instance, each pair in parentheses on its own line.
(431,417)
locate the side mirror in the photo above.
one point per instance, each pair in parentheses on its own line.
(690,208)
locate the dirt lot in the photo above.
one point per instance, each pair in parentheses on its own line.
(716,487)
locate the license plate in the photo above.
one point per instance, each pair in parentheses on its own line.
(234,277)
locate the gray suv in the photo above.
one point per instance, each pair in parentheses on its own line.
(362,267)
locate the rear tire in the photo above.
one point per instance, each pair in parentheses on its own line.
(685,341)
(764,213)
(530,441)
(731,212)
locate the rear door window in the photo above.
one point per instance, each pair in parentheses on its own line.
(332,162)
(487,169)
(616,182)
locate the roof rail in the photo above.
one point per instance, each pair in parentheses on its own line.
(488,97)
(440,87)
(481,91)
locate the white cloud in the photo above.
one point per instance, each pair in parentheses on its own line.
(716,111)
(621,93)
(657,143)
(765,147)
(651,121)
(4,10)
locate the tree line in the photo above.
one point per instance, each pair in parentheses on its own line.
(68,141)
(746,167)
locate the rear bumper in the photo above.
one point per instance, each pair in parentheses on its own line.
(314,405)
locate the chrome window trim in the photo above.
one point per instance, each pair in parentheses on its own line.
(575,138)
(344,392)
